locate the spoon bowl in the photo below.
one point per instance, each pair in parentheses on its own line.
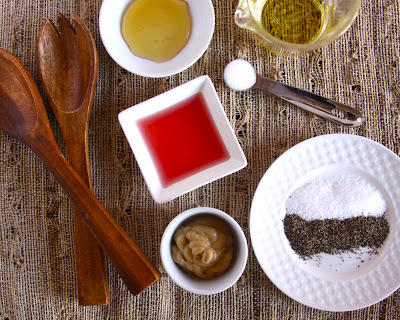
(20,117)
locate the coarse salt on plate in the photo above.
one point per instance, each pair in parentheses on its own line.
(338,197)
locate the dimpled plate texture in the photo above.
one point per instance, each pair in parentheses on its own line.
(332,293)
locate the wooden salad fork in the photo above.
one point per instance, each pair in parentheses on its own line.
(23,117)
(68,66)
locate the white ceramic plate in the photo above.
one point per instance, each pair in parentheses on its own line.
(129,122)
(203,22)
(333,283)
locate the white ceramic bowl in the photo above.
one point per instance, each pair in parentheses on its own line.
(203,22)
(131,117)
(192,283)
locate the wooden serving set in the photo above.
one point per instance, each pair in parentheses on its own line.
(68,65)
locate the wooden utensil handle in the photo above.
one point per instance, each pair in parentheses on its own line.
(135,269)
(91,271)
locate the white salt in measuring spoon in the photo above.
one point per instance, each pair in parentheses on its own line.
(240,75)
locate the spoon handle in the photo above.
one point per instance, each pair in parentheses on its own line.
(135,269)
(321,106)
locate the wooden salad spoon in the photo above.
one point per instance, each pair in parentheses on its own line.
(23,117)
(68,65)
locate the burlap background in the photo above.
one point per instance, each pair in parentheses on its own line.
(37,276)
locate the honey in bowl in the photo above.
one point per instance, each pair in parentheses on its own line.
(156,30)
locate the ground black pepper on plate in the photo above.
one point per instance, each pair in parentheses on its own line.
(334,236)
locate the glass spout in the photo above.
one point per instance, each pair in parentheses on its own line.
(241,18)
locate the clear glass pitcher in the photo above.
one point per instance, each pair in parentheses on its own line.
(293,30)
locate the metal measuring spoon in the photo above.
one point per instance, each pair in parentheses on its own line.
(240,75)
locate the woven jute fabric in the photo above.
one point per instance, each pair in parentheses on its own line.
(37,263)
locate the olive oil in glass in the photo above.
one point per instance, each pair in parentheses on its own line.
(294,21)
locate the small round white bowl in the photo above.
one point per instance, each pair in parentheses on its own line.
(190,282)
(203,23)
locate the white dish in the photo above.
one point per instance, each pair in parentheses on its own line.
(332,283)
(129,122)
(190,282)
(203,23)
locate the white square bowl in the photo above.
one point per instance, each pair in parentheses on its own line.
(130,118)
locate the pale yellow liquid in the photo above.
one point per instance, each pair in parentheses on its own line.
(156,30)
(295,21)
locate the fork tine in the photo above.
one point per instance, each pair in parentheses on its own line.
(80,26)
(49,37)
(65,26)
(49,27)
